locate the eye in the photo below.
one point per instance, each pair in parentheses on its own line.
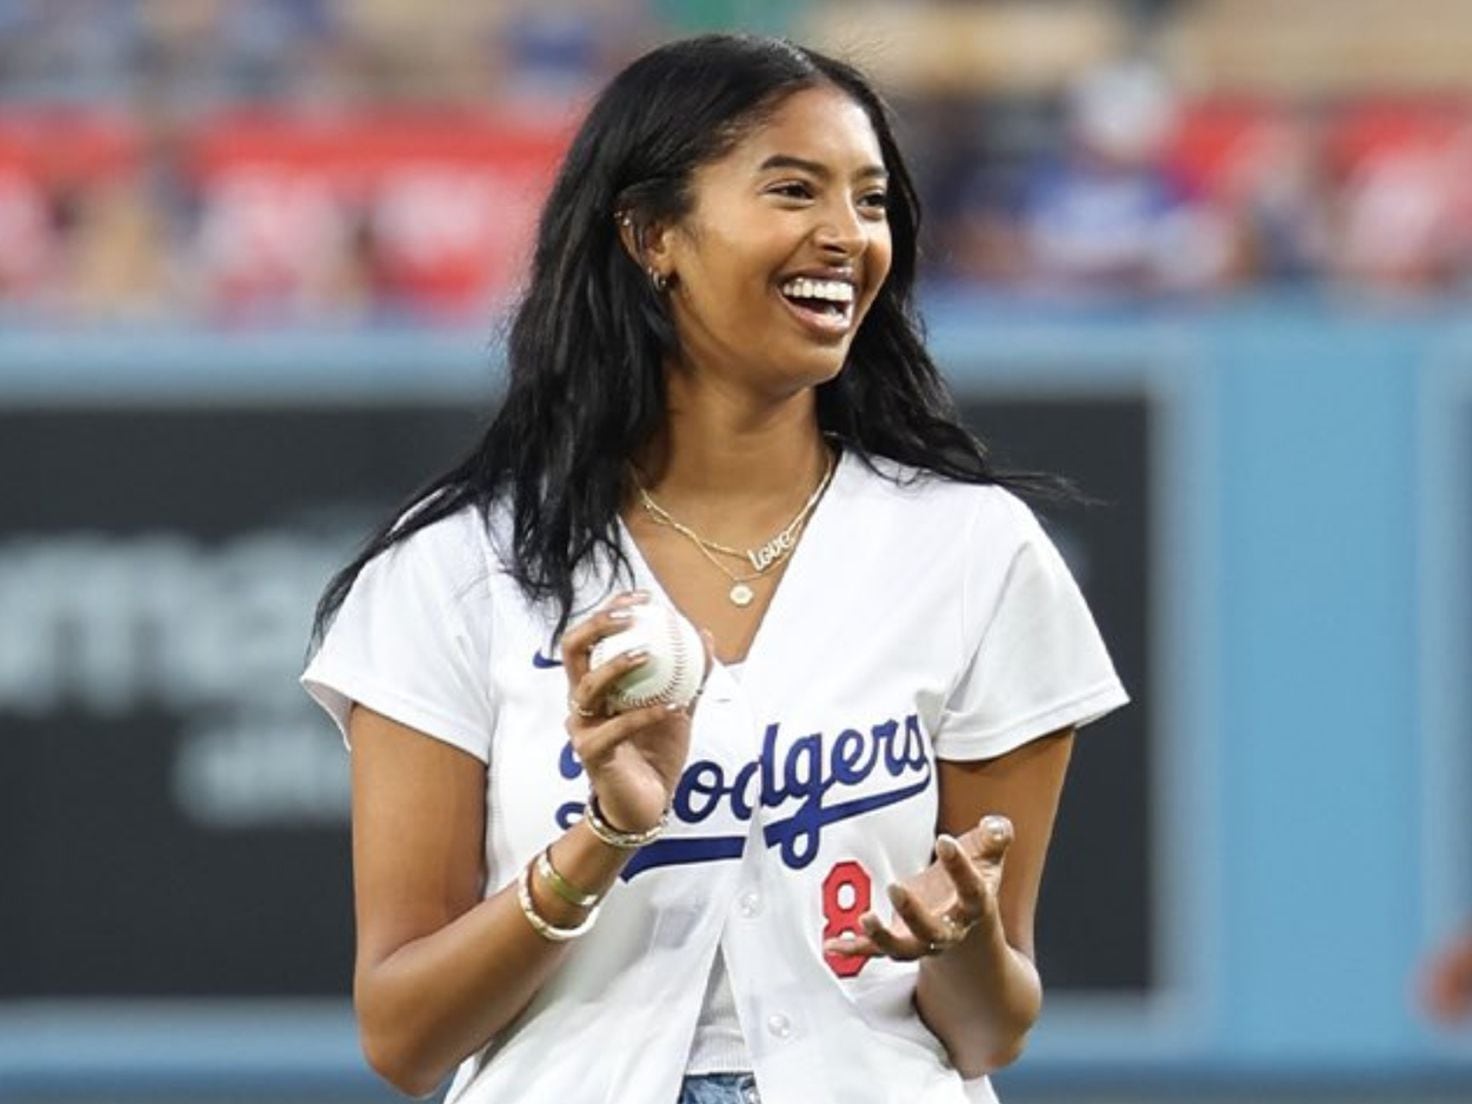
(792,189)
(875,203)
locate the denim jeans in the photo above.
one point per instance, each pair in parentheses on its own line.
(719,1088)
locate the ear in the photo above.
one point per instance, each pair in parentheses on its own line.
(659,252)
(628,236)
(647,243)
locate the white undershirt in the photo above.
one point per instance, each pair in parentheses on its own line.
(718,1045)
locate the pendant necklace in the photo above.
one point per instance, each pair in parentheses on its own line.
(763,558)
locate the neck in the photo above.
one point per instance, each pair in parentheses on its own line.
(723,444)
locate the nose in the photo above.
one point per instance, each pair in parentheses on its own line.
(841,230)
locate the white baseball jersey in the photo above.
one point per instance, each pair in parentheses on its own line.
(917,622)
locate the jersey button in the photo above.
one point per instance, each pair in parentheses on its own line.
(749,904)
(779,1025)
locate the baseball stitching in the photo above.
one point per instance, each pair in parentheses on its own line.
(676,640)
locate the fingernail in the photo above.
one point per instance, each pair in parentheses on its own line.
(945,844)
(673,707)
(621,614)
(635,656)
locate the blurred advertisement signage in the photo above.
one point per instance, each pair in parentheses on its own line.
(173,809)
(1095,927)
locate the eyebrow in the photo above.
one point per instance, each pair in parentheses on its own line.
(787,161)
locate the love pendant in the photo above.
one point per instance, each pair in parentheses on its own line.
(769,553)
(741,595)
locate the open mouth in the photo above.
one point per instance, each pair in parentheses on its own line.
(824,305)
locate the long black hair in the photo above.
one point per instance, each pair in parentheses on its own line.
(587,346)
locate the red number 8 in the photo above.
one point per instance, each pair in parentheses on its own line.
(846,894)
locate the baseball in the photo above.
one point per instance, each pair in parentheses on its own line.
(675,667)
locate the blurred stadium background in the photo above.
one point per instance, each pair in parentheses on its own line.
(1211,258)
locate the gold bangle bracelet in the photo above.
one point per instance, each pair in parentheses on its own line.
(560,885)
(540,924)
(615,837)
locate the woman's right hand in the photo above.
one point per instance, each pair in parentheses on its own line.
(634,759)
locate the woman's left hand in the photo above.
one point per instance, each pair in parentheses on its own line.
(951,900)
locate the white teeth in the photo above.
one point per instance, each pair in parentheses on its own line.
(835,291)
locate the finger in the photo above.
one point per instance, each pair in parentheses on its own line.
(595,743)
(610,618)
(973,899)
(592,689)
(894,941)
(853,945)
(889,942)
(926,926)
(996,834)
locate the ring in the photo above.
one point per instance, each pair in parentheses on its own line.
(586,714)
(955,932)
(934,948)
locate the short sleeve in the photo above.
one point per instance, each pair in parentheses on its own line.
(1035,661)
(412,639)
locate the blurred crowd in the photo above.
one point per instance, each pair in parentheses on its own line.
(1136,191)
(284,161)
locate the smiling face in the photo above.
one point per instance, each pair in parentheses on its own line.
(785,248)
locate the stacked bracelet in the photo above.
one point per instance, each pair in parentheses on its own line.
(561,886)
(615,837)
(547,930)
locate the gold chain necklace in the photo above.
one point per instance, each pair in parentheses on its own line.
(763,558)
(740,593)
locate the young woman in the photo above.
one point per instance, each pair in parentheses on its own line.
(818,884)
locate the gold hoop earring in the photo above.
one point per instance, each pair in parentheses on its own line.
(660,281)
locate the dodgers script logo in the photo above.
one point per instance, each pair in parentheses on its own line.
(811,780)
